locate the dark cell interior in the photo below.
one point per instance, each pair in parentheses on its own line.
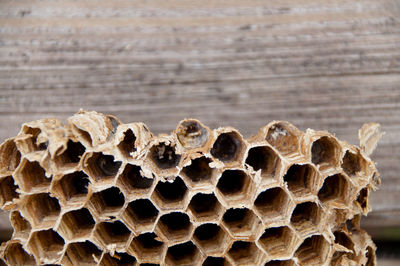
(323,151)
(311,246)
(263,158)
(164,156)
(351,163)
(112,197)
(107,165)
(10,157)
(199,170)
(231,181)
(73,152)
(202,203)
(241,247)
(362,198)
(270,197)
(299,178)
(236,215)
(115,229)
(174,191)
(81,219)
(334,187)
(175,221)
(143,209)
(121,259)
(75,184)
(273,233)
(148,241)
(307,211)
(127,145)
(279,263)
(43,206)
(132,178)
(207,231)
(344,240)
(214,261)
(33,175)
(16,255)
(226,147)
(82,252)
(182,251)
(8,190)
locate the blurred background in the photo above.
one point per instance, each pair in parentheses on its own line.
(321,64)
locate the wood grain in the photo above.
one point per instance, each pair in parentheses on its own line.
(322,64)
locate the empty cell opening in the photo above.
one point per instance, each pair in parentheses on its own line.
(164,156)
(239,221)
(185,253)
(107,201)
(132,179)
(31,142)
(243,252)
(232,182)
(199,170)
(306,216)
(21,226)
(10,157)
(370,254)
(141,213)
(227,147)
(76,224)
(282,136)
(175,225)
(215,261)
(335,188)
(343,239)
(171,192)
(205,205)
(265,159)
(191,134)
(277,240)
(280,263)
(16,255)
(272,202)
(300,179)
(353,164)
(8,190)
(118,259)
(46,244)
(127,145)
(73,186)
(324,152)
(83,253)
(72,155)
(32,177)
(313,250)
(113,233)
(102,166)
(210,237)
(147,247)
(362,198)
(42,208)
(84,135)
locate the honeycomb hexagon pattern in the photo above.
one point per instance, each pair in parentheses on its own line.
(100,192)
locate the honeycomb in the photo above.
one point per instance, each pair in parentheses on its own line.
(97,191)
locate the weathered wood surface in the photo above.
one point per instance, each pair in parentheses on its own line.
(322,64)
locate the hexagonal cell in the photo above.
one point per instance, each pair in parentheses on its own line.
(72,189)
(183,254)
(174,227)
(335,189)
(10,157)
(107,202)
(205,207)
(101,167)
(81,253)
(71,156)
(235,186)
(362,199)
(215,261)
(133,182)
(29,141)
(140,215)
(46,246)
(31,177)
(118,259)
(199,172)
(8,191)
(192,134)
(211,239)
(76,224)
(284,137)
(15,254)
(170,195)
(354,164)
(241,223)
(313,251)
(265,159)
(306,217)
(228,147)
(301,179)
(42,210)
(147,248)
(112,233)
(272,204)
(343,239)
(325,152)
(245,253)
(164,156)
(279,242)
(280,263)
(21,226)
(127,145)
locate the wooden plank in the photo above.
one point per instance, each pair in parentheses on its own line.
(322,64)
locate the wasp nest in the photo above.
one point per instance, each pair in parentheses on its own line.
(97,191)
